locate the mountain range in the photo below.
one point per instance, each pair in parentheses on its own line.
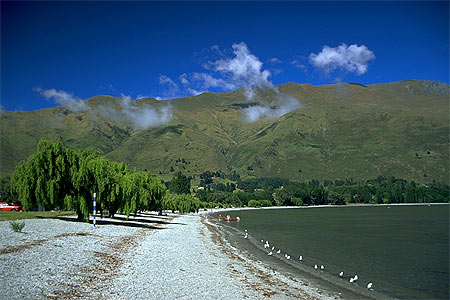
(295,131)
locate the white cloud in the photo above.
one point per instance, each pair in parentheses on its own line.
(140,96)
(139,117)
(172,87)
(351,58)
(242,69)
(245,67)
(183,79)
(64,98)
(298,62)
(268,111)
(274,60)
(194,92)
(207,81)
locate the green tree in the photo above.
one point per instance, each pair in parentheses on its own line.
(184,203)
(336,198)
(282,197)
(379,194)
(180,184)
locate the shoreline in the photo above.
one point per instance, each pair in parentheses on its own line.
(215,210)
(187,257)
(237,233)
(165,257)
(273,283)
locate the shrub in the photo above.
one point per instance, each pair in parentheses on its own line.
(253,203)
(17,226)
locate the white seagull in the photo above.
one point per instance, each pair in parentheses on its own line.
(288,257)
(351,280)
(369,285)
(300,258)
(315,267)
(279,251)
(355,278)
(270,253)
(341,274)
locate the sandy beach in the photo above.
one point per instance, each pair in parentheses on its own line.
(148,257)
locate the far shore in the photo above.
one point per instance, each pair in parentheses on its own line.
(215,210)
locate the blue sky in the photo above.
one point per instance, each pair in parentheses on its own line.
(52,52)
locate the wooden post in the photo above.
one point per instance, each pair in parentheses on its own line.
(95,207)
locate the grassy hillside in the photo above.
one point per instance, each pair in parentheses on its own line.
(343,130)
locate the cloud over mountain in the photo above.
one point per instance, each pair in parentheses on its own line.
(64,98)
(351,58)
(141,116)
(242,69)
(138,117)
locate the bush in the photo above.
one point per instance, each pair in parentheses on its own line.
(297,201)
(253,203)
(17,226)
(336,198)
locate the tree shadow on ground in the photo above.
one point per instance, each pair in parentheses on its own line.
(156,216)
(141,219)
(100,222)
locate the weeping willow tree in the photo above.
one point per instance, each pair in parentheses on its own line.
(44,178)
(184,203)
(141,192)
(58,177)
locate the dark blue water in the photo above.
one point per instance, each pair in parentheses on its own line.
(402,250)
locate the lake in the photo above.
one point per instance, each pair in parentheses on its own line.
(402,249)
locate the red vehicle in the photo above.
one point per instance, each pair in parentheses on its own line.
(4,206)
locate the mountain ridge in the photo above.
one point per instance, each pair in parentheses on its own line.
(342,130)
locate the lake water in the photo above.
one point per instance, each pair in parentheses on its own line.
(402,250)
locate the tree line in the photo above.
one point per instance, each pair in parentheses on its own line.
(55,177)
(260,192)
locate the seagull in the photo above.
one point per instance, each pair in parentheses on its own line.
(300,258)
(273,248)
(322,267)
(262,241)
(315,267)
(341,274)
(351,280)
(270,253)
(285,255)
(356,277)
(288,257)
(246,236)
(369,285)
(279,251)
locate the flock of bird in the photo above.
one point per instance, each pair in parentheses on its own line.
(272,251)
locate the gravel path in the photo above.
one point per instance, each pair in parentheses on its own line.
(198,264)
(54,259)
(186,259)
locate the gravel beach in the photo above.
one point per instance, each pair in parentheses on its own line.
(148,257)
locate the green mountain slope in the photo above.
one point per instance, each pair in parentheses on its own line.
(342,131)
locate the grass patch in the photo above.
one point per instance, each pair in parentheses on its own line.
(15,215)
(17,226)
